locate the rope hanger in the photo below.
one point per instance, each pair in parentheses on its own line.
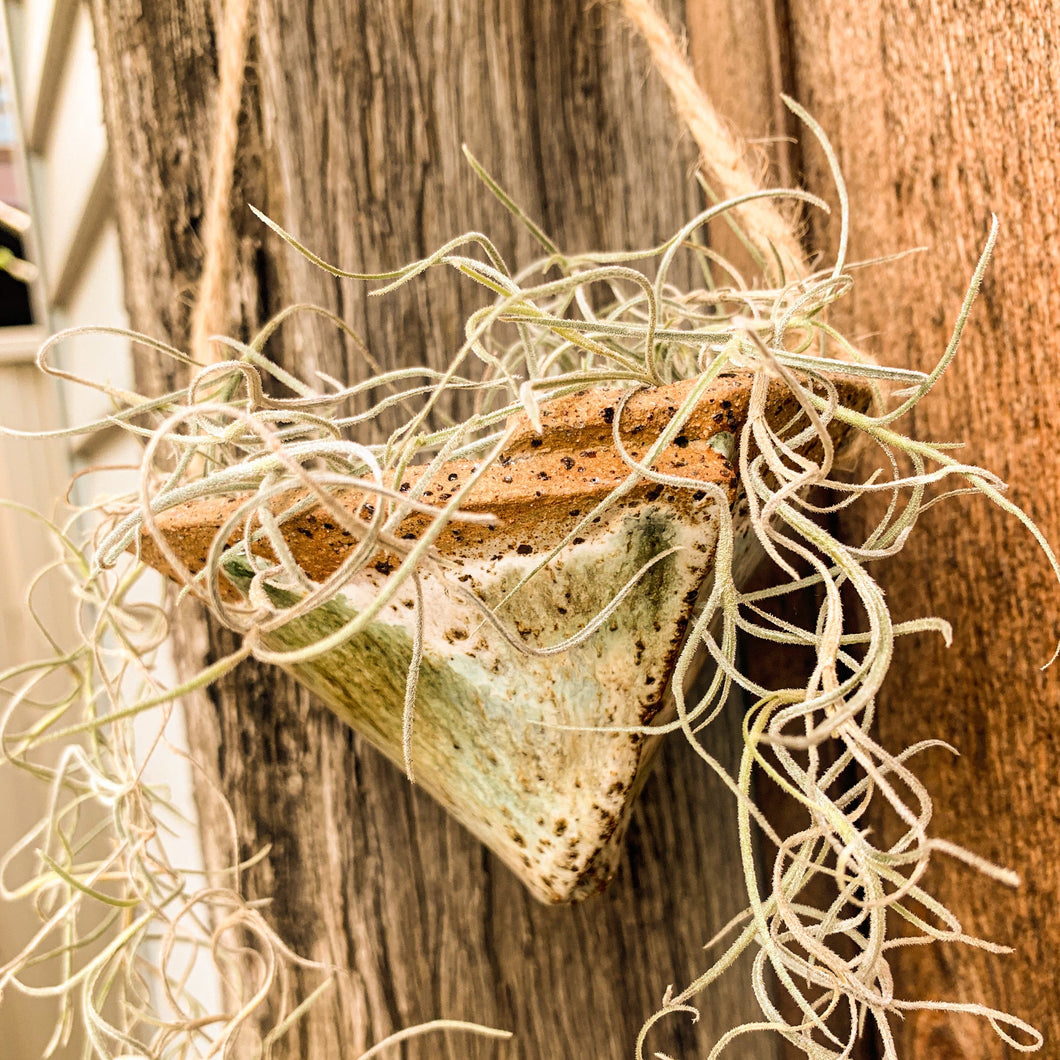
(208,316)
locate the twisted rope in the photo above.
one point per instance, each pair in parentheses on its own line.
(209,314)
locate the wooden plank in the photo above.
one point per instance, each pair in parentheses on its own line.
(942,114)
(735,49)
(350,138)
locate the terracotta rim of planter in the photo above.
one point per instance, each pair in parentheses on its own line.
(538,487)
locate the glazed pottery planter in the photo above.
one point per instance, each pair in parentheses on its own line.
(487,740)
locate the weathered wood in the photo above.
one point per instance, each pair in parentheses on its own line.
(942,114)
(353,118)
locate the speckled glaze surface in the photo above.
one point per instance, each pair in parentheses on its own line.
(488,740)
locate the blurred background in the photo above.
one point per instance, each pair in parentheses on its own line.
(62,269)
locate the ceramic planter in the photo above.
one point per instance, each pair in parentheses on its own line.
(553,804)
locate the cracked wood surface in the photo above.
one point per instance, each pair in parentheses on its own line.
(350,138)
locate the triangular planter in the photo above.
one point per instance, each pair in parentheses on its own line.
(553,804)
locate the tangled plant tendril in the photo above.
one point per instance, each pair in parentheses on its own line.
(126,923)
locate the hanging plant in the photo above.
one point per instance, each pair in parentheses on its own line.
(513,605)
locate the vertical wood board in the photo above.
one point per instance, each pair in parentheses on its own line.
(942,114)
(353,118)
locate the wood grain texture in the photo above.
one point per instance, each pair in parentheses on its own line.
(350,138)
(738,51)
(942,113)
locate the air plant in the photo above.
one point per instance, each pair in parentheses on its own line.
(271,449)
